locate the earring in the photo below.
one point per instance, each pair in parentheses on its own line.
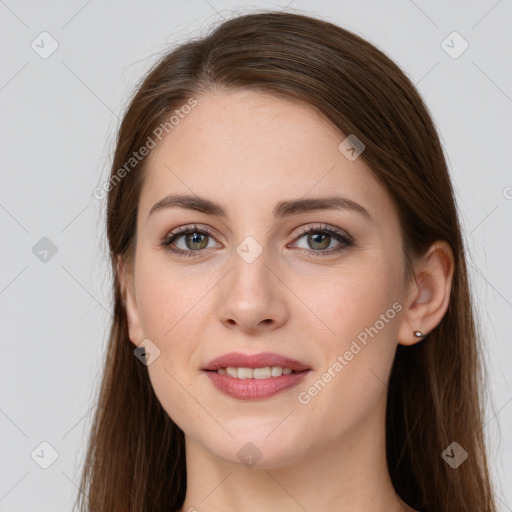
(419,334)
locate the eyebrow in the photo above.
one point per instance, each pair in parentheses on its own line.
(281,209)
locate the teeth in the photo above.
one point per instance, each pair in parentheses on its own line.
(261,373)
(255,373)
(245,373)
(232,372)
(277,371)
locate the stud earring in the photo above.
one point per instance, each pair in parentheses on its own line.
(419,334)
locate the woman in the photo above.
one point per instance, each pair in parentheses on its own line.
(292,328)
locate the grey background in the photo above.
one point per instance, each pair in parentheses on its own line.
(58,118)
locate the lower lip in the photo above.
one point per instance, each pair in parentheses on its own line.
(250,389)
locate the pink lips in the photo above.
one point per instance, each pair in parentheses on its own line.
(249,389)
(239,360)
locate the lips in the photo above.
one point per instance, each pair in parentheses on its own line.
(232,374)
(261,360)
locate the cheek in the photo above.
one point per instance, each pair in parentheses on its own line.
(166,298)
(361,310)
(350,299)
(174,311)
(172,316)
(351,383)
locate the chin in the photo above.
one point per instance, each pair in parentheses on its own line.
(258,453)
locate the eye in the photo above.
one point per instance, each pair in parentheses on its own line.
(319,240)
(192,240)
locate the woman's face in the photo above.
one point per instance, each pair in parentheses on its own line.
(257,284)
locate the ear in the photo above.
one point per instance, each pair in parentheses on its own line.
(429,293)
(126,283)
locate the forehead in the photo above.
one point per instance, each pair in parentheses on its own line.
(246,147)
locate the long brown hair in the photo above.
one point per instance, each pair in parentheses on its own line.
(136,459)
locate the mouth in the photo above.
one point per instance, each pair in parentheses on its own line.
(265,372)
(258,376)
(261,361)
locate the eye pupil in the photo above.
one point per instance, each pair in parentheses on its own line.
(324,240)
(196,238)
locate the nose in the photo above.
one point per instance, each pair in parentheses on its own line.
(253,296)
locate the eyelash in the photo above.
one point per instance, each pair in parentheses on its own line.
(346,241)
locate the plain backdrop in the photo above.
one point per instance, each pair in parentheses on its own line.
(59,115)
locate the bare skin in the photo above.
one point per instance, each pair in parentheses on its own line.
(248,152)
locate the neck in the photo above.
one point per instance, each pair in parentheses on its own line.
(350,475)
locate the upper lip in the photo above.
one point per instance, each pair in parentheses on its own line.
(261,360)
